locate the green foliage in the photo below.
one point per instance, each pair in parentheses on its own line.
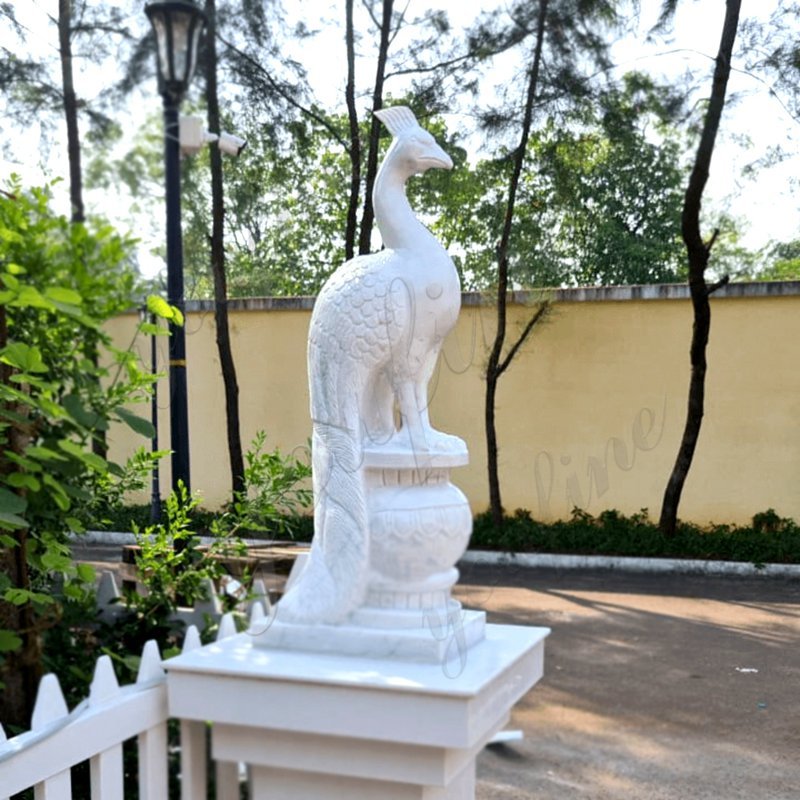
(728,255)
(598,203)
(782,262)
(108,491)
(174,567)
(276,497)
(71,648)
(277,491)
(171,564)
(285,212)
(62,383)
(770,538)
(122,516)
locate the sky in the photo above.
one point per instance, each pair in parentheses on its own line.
(766,204)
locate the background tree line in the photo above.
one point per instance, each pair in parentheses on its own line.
(603,141)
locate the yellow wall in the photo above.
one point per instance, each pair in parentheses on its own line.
(590,414)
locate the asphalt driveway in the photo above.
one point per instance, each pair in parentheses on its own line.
(656,687)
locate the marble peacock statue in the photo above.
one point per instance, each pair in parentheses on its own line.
(375,335)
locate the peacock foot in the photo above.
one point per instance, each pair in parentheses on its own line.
(440,442)
(427,441)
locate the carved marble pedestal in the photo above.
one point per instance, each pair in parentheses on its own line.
(314,726)
(419,524)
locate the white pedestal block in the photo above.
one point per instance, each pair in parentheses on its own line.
(317,726)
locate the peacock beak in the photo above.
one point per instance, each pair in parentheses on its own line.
(436,157)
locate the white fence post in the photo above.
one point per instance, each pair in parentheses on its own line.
(50,707)
(227,772)
(96,729)
(227,780)
(105,768)
(108,597)
(259,595)
(194,769)
(3,739)
(153,772)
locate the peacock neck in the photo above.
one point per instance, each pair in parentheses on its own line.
(399,226)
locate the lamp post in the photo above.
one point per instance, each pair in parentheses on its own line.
(177,25)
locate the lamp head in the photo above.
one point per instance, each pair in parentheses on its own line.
(177,25)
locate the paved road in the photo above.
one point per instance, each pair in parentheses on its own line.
(656,687)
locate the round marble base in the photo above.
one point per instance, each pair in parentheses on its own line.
(436,637)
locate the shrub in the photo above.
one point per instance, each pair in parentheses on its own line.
(61,384)
(769,538)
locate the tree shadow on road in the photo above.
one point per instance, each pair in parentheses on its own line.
(654,686)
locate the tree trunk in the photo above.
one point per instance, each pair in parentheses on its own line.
(494,367)
(70,110)
(218,265)
(495,499)
(698,253)
(368,215)
(354,150)
(22,669)
(99,444)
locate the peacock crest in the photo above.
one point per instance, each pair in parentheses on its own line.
(397,119)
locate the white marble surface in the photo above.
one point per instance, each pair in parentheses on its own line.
(375,335)
(502,646)
(325,726)
(235,683)
(433,640)
(403,458)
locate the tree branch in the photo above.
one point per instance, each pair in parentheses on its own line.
(284,93)
(526,331)
(423,70)
(712,240)
(91,28)
(399,25)
(371,12)
(723,281)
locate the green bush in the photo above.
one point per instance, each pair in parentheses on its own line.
(277,494)
(62,383)
(769,538)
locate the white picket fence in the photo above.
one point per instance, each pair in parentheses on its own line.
(110,605)
(95,730)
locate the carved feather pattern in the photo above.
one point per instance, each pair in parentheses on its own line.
(375,333)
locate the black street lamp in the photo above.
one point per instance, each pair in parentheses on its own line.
(177,25)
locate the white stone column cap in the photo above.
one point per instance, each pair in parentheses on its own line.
(447,705)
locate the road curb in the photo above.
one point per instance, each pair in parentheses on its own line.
(631,564)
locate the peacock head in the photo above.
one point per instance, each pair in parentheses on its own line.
(413,150)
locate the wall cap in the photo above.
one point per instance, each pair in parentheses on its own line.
(580,294)
(653,291)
